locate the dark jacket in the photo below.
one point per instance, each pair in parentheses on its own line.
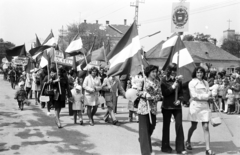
(169,94)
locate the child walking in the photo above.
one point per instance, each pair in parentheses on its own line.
(230,101)
(77,103)
(21,95)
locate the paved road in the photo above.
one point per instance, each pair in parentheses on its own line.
(32,132)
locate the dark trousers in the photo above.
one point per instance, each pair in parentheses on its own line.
(167,114)
(145,132)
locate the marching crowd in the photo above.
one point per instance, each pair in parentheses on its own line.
(207,92)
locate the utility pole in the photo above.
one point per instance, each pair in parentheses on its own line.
(136,9)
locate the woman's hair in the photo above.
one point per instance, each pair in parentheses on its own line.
(199,68)
(171,67)
(93,69)
(150,68)
(53,69)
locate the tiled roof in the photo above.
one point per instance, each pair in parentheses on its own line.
(203,50)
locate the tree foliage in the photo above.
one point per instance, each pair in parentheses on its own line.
(232,46)
(199,37)
(87,32)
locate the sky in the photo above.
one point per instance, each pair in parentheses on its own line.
(20,20)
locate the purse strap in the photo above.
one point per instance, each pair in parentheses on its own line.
(42,89)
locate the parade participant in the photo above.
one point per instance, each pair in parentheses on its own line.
(36,85)
(28,84)
(102,76)
(226,86)
(12,76)
(170,107)
(236,91)
(77,100)
(230,101)
(220,94)
(137,83)
(21,95)
(151,94)
(214,90)
(71,79)
(110,86)
(199,110)
(92,85)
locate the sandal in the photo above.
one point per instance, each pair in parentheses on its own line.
(188,146)
(209,152)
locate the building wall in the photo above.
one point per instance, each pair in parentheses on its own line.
(229,34)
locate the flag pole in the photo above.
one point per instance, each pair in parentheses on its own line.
(59,86)
(176,90)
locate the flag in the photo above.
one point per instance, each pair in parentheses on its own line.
(98,55)
(89,56)
(125,58)
(30,65)
(45,60)
(17,51)
(74,47)
(37,47)
(50,40)
(186,64)
(9,58)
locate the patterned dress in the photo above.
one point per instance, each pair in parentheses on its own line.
(151,88)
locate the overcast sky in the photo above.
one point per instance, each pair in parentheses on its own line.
(21,19)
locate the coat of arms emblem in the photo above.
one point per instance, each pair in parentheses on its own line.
(180,16)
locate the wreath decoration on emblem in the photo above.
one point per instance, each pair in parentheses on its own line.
(180,11)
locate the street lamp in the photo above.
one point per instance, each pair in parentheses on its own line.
(150,35)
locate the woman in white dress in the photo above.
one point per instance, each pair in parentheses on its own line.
(199,110)
(92,85)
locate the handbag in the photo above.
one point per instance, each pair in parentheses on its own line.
(216,121)
(136,102)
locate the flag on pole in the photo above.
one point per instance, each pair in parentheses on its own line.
(45,59)
(74,47)
(125,58)
(50,40)
(17,51)
(170,50)
(37,47)
(98,55)
(30,65)
(88,57)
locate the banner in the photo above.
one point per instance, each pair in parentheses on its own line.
(59,58)
(180,17)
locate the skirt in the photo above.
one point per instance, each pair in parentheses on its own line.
(58,104)
(199,111)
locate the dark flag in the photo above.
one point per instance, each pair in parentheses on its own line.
(17,51)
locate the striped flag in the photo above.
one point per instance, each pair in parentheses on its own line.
(50,40)
(45,59)
(37,47)
(170,49)
(125,58)
(74,47)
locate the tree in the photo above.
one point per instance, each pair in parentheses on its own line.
(232,46)
(200,37)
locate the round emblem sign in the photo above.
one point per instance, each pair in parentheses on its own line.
(180,16)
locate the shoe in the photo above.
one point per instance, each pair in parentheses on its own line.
(130,119)
(209,152)
(91,123)
(182,152)
(81,122)
(188,146)
(116,123)
(58,124)
(167,149)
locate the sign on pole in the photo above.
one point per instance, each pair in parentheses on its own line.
(180,17)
